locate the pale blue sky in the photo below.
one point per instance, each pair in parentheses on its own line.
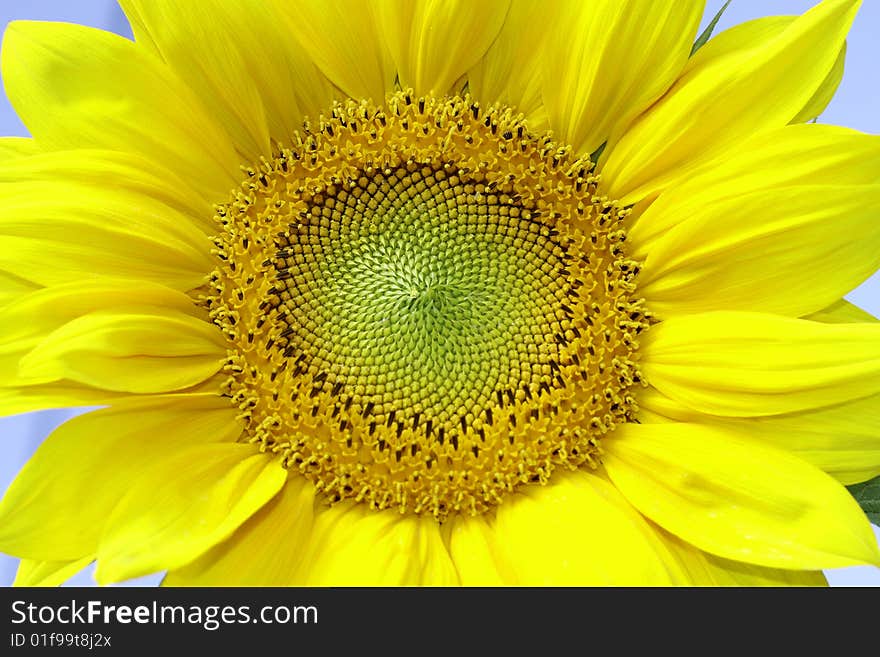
(856,105)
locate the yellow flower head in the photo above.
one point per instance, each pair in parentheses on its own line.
(422,292)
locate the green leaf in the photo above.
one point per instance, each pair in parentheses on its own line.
(867,494)
(704,37)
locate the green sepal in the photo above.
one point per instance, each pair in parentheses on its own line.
(707,33)
(867,494)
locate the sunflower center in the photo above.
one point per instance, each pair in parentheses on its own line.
(426,306)
(423,293)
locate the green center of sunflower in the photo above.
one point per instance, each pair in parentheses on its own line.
(426,306)
(430,292)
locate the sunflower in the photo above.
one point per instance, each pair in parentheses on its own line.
(421,292)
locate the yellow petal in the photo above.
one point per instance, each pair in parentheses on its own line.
(796,155)
(606,61)
(250,75)
(48,573)
(510,71)
(12,287)
(478,553)
(63,394)
(78,87)
(267,550)
(133,349)
(68,205)
(352,545)
(749,364)
(56,231)
(183,505)
(23,398)
(817,104)
(53,260)
(706,569)
(343,41)
(434,42)
(56,508)
(732,88)
(576,531)
(752,33)
(12,148)
(31,317)
(841,312)
(90,169)
(816,244)
(738,498)
(842,440)
(770,229)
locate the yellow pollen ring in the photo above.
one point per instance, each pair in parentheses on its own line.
(426,306)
